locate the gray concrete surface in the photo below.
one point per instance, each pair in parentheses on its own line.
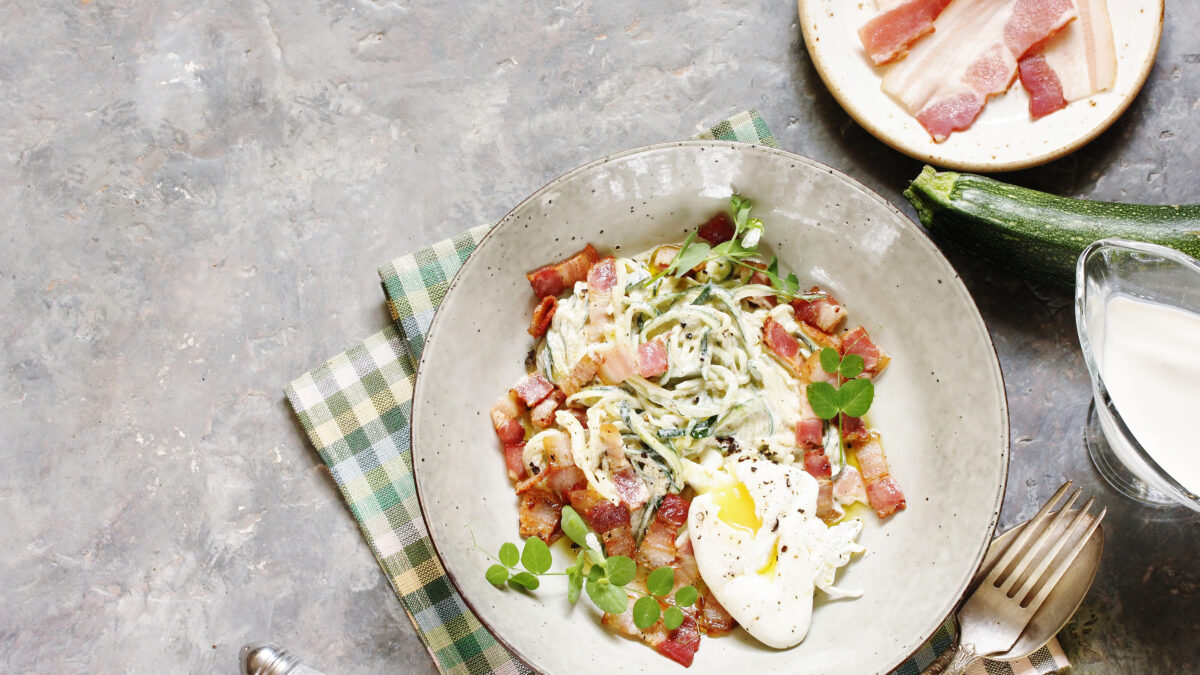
(194,197)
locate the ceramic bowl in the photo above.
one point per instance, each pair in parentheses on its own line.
(940,406)
(1003,138)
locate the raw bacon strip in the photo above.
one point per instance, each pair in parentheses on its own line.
(947,78)
(824,313)
(1042,83)
(652,358)
(887,36)
(718,229)
(539,515)
(857,341)
(505,413)
(1078,61)
(543,314)
(581,373)
(883,492)
(618,363)
(554,279)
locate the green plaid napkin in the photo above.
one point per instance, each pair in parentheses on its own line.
(355,409)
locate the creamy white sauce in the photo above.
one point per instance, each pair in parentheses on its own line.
(1150,361)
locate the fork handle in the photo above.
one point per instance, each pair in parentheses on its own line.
(965,656)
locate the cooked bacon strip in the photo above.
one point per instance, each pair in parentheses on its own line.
(581,373)
(629,485)
(824,313)
(533,389)
(687,570)
(810,433)
(542,414)
(554,279)
(948,77)
(849,487)
(562,480)
(539,515)
(857,341)
(816,463)
(714,619)
(543,314)
(759,277)
(820,337)
(681,644)
(601,278)
(513,453)
(718,229)
(658,544)
(619,541)
(505,413)
(557,447)
(782,343)
(854,429)
(883,492)
(1078,61)
(652,358)
(887,36)
(618,363)
(601,515)
(1042,83)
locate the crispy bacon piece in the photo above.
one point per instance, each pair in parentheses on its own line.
(849,487)
(857,341)
(554,279)
(784,344)
(619,363)
(557,446)
(681,644)
(820,337)
(601,515)
(562,480)
(630,488)
(718,229)
(824,313)
(513,460)
(505,414)
(658,544)
(854,429)
(533,389)
(652,358)
(810,432)
(540,513)
(816,463)
(883,492)
(542,414)
(887,36)
(619,541)
(687,570)
(714,619)
(601,278)
(581,373)
(543,314)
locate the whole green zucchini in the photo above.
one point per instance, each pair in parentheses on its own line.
(1038,233)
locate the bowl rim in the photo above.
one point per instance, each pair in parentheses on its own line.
(865,120)
(923,240)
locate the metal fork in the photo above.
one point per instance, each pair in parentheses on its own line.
(996,614)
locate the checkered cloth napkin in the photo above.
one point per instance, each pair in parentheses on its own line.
(355,409)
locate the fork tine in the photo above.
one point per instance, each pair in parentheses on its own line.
(1047,558)
(1044,537)
(1059,571)
(1022,539)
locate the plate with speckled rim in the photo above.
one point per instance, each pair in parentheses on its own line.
(1004,137)
(940,406)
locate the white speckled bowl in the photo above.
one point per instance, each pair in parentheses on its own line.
(940,406)
(1004,138)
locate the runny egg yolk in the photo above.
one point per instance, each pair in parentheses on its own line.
(736,507)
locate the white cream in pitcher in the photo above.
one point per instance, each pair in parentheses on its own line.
(1150,362)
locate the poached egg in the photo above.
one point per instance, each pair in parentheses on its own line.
(761,549)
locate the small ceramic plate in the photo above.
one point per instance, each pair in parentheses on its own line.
(940,406)
(1004,137)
